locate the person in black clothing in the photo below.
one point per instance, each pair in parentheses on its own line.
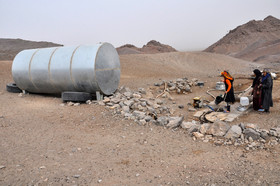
(257,92)
(266,86)
(229,93)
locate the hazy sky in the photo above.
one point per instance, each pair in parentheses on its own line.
(184,24)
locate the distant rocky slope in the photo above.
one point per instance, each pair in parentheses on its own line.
(9,48)
(257,41)
(152,47)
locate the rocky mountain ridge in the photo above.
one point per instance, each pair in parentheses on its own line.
(9,48)
(257,41)
(152,47)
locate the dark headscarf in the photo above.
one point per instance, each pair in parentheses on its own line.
(258,75)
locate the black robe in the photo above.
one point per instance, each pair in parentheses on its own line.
(230,95)
(257,93)
(267,86)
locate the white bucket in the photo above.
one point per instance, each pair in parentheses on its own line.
(244,101)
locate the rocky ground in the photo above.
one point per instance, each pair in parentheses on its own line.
(47,142)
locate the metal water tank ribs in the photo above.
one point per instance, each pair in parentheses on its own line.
(80,69)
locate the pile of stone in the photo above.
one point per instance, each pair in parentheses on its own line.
(144,108)
(182,85)
(221,133)
(133,105)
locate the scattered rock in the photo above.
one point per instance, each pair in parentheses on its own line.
(218,128)
(199,113)
(242,126)
(264,135)
(198,134)
(162,121)
(187,125)
(138,114)
(137,96)
(109,104)
(194,128)
(148,118)
(76,176)
(142,90)
(249,132)
(106,100)
(131,105)
(204,127)
(126,109)
(275,132)
(175,122)
(200,83)
(128,94)
(70,103)
(180,106)
(272,132)
(76,104)
(142,122)
(101,103)
(128,103)
(234,132)
(115,100)
(192,109)
(250,125)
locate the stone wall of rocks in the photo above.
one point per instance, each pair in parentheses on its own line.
(133,106)
(147,109)
(181,85)
(221,133)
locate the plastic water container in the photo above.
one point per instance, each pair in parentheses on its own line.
(244,101)
(220,86)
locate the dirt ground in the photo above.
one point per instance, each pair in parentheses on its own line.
(44,143)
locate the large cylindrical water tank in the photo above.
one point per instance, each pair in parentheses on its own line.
(58,69)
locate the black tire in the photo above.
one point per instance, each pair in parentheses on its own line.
(76,96)
(12,87)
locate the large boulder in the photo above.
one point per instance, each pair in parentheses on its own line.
(204,127)
(175,122)
(249,132)
(187,125)
(218,128)
(234,132)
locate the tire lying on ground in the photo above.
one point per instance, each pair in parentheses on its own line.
(12,87)
(76,96)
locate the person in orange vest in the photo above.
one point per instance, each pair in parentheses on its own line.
(229,93)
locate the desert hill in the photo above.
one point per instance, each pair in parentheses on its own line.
(10,47)
(257,41)
(147,68)
(152,47)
